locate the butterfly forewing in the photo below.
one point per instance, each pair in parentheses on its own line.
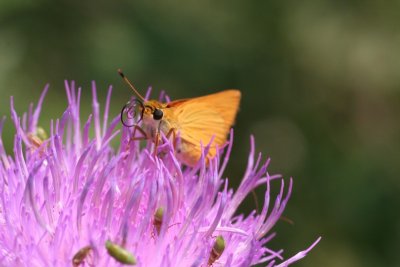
(199,119)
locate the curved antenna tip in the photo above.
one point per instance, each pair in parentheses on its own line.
(130,84)
(121,73)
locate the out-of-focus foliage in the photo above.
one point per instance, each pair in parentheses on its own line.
(320,83)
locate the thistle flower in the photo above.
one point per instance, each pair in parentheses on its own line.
(72,199)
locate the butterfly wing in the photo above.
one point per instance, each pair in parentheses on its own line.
(200,119)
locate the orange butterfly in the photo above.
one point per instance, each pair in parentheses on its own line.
(197,120)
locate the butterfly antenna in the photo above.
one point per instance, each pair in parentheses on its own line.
(130,85)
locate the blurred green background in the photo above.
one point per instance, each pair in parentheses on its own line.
(320,83)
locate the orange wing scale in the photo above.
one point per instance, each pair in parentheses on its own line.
(199,119)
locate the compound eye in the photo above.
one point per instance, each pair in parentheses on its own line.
(157,114)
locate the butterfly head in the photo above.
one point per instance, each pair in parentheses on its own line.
(153,115)
(153,110)
(148,111)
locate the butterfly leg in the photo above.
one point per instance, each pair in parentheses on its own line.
(158,137)
(143,137)
(156,143)
(136,138)
(172,132)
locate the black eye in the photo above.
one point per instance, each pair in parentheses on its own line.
(157,114)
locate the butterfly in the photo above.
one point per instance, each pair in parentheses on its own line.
(199,121)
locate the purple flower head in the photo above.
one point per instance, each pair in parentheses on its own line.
(70,199)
